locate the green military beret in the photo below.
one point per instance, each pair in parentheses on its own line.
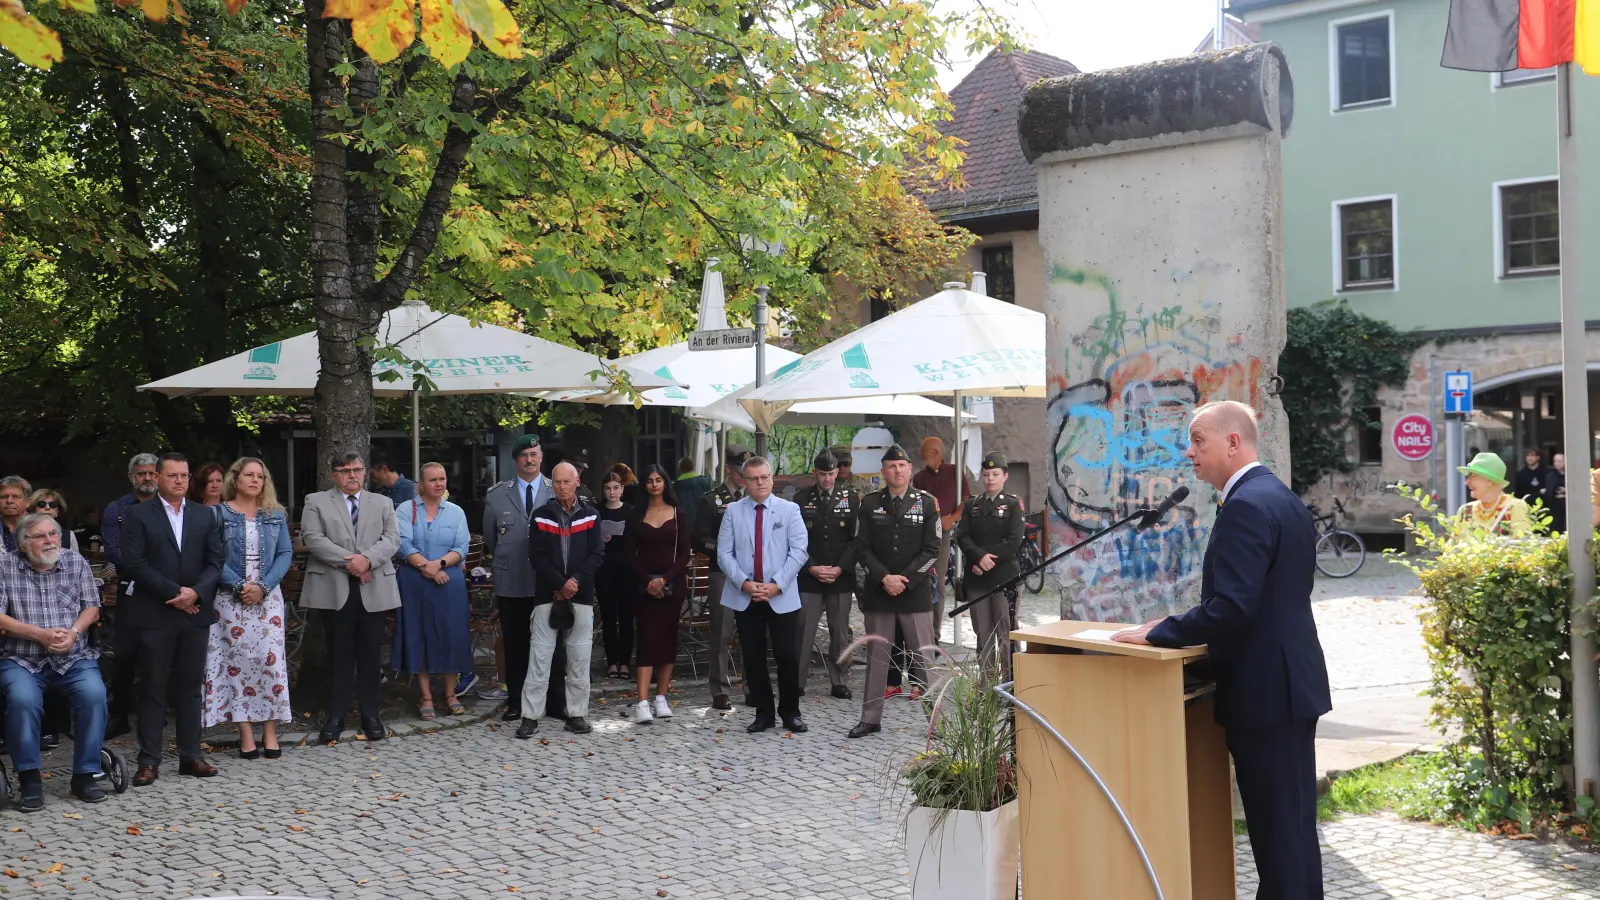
(523,443)
(895,453)
(994,459)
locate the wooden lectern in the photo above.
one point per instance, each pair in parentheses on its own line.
(1153,742)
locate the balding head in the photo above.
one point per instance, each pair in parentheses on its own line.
(564,481)
(1222,440)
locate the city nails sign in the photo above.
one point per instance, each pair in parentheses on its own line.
(1412,436)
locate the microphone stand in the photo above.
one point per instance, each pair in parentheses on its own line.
(1010,587)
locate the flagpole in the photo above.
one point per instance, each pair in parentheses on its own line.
(1579,447)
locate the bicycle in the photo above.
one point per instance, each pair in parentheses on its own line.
(1340,553)
(1032,553)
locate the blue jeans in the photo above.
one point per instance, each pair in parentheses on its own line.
(24,692)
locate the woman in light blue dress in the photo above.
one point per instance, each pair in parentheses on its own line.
(430,628)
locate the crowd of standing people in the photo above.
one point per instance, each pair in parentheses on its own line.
(198,563)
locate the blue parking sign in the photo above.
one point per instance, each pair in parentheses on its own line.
(1457,392)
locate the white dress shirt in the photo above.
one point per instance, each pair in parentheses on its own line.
(175,519)
(1234,479)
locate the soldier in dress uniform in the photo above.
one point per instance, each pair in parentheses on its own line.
(990,536)
(829,576)
(897,541)
(707,523)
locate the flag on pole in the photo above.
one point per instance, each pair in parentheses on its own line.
(1505,35)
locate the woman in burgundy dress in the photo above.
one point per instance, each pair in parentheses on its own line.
(659,539)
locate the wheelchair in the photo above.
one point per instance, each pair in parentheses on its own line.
(58,720)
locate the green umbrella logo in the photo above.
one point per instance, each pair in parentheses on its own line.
(675,392)
(259,364)
(856,358)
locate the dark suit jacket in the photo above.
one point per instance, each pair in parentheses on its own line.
(586,550)
(1255,608)
(150,558)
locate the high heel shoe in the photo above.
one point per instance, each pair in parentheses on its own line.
(250,754)
(271,752)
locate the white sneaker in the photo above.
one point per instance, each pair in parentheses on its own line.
(641,715)
(663,711)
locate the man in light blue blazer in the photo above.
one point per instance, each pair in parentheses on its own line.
(761,548)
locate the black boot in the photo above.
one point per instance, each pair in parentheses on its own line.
(31,798)
(87,788)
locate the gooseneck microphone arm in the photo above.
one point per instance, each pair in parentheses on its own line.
(1147,517)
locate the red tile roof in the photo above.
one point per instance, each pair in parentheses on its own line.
(985,102)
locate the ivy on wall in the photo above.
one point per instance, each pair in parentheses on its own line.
(1333,364)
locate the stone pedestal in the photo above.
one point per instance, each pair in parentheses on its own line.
(1160,190)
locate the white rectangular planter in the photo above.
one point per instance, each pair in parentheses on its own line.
(967,856)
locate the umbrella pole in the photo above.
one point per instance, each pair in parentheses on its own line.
(416,435)
(955,550)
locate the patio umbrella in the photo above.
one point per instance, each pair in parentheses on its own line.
(460,357)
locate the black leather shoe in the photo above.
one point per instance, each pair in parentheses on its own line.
(721,701)
(87,789)
(331,730)
(842,692)
(31,796)
(579,725)
(374,730)
(250,754)
(795,724)
(511,714)
(863,729)
(527,729)
(762,723)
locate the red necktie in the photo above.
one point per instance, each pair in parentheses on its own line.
(761,509)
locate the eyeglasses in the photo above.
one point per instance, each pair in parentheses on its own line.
(44,535)
(47,504)
(759,479)
(353,470)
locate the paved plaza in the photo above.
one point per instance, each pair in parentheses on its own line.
(693,808)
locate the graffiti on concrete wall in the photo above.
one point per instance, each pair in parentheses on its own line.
(1122,391)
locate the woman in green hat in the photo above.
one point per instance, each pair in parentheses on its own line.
(1492,509)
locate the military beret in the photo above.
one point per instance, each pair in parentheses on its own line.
(895,453)
(737,454)
(523,443)
(825,462)
(994,459)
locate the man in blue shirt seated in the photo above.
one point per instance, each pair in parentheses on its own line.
(48,601)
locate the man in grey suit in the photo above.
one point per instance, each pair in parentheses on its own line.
(352,536)
(507,509)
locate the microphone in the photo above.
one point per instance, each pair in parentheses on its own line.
(1154,516)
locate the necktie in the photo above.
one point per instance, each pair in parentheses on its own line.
(527,500)
(761,511)
(355,512)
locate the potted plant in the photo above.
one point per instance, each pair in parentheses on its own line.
(961,833)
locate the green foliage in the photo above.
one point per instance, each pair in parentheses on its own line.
(1496,629)
(1419,786)
(970,761)
(1333,363)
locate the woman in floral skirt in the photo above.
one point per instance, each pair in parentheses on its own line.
(247,677)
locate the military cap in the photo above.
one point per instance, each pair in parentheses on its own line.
(895,453)
(994,459)
(841,454)
(580,459)
(825,462)
(523,443)
(737,454)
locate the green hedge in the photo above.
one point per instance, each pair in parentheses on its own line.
(1496,627)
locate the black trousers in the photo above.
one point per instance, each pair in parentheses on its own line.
(758,625)
(124,666)
(355,641)
(614,593)
(516,636)
(1277,773)
(171,657)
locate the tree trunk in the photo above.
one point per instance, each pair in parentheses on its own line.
(342,410)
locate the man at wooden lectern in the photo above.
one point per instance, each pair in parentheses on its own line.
(1255,615)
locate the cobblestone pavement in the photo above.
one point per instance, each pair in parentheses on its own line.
(692,808)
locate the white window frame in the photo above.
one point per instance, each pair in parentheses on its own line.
(1497,80)
(1334,56)
(1339,287)
(1497,208)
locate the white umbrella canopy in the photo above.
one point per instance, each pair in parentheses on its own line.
(955,342)
(847,411)
(460,358)
(709,375)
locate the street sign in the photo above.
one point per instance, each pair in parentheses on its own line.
(723,339)
(1457,392)
(1412,436)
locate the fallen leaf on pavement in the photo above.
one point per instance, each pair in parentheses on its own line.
(299,812)
(54,869)
(72,815)
(134,829)
(9,873)
(297,828)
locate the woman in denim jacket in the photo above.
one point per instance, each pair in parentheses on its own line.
(247,677)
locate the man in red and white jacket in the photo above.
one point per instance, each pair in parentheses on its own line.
(565,549)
